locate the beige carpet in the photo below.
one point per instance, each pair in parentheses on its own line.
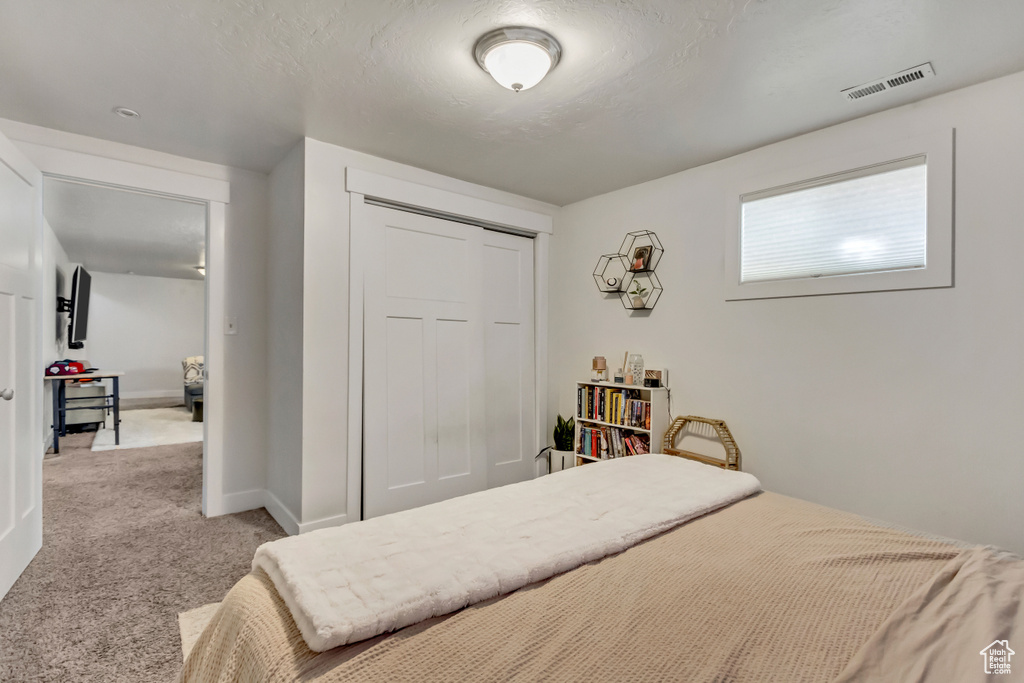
(125,549)
(191,625)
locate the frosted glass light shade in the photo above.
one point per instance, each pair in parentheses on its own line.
(518,66)
(518,58)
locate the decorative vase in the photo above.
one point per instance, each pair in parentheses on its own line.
(638,302)
(561,460)
(636,368)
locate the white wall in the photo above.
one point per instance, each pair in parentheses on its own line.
(54,336)
(145,326)
(905,406)
(284,340)
(246,395)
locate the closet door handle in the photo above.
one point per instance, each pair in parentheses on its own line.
(7,394)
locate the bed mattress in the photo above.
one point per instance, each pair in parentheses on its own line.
(767,589)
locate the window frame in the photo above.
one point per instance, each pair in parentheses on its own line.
(938,150)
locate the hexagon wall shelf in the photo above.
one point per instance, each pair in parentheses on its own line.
(609,273)
(633,264)
(640,251)
(650,291)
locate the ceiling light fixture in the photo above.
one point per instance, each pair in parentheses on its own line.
(517,57)
(126,113)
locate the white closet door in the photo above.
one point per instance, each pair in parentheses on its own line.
(509,356)
(423,381)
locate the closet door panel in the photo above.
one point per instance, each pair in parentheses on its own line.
(509,358)
(425,266)
(406,418)
(454,388)
(504,394)
(423,423)
(504,271)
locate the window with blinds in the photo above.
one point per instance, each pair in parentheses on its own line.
(842,218)
(870,220)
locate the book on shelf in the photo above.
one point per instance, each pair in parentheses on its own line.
(613,406)
(611,442)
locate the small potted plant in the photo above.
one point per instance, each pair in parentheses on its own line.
(638,294)
(564,435)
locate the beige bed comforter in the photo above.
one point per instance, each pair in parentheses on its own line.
(768,589)
(939,633)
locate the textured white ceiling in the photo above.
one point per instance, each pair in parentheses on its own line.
(117,231)
(645,87)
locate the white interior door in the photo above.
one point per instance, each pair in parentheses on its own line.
(423,369)
(21,378)
(509,357)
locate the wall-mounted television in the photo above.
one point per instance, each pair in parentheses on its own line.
(59,325)
(78,307)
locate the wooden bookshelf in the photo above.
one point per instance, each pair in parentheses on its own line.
(617,420)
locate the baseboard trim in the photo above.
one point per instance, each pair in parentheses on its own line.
(280,512)
(230,503)
(241,501)
(149,403)
(323,523)
(160,393)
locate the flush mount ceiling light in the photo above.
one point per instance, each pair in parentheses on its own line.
(126,113)
(517,57)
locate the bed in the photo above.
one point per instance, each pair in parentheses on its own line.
(768,588)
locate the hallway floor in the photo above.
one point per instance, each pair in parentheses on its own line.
(125,549)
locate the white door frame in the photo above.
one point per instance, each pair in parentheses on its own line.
(216,194)
(361,184)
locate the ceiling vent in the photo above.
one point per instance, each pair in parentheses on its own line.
(896,80)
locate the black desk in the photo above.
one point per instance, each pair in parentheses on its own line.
(60,403)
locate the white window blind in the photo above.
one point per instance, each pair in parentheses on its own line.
(869,220)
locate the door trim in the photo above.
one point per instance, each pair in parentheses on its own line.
(362,185)
(446,204)
(216,194)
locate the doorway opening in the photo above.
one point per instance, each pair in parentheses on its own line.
(143,313)
(155,282)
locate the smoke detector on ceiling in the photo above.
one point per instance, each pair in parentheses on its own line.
(896,80)
(126,113)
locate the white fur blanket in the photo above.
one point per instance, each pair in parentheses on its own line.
(352,582)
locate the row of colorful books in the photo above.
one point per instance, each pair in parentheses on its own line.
(615,406)
(611,442)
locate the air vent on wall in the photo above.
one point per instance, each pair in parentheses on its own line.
(896,80)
